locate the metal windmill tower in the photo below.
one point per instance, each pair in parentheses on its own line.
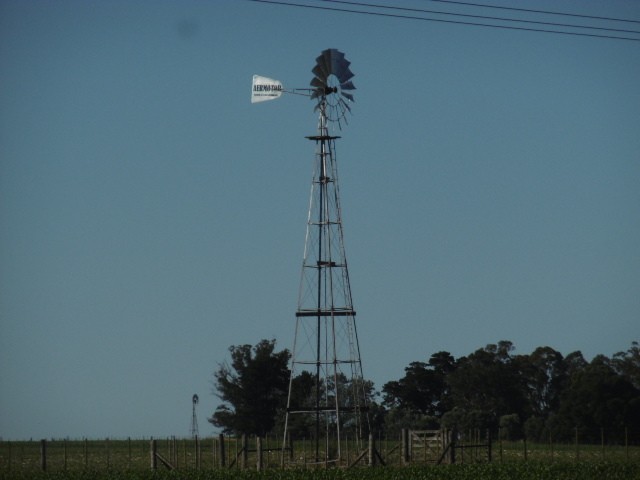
(194,419)
(326,352)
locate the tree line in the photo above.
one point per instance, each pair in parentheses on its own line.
(538,395)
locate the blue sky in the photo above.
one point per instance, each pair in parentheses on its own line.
(151,216)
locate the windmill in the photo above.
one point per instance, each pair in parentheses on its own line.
(326,353)
(194,419)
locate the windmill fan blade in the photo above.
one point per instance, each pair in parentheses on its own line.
(318,83)
(347,86)
(345,105)
(344,75)
(342,71)
(318,71)
(328,59)
(338,62)
(325,65)
(348,96)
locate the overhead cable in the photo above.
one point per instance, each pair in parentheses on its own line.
(440,20)
(483,17)
(527,10)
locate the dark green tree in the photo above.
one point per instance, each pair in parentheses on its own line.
(253,388)
(486,385)
(544,374)
(598,397)
(627,364)
(423,389)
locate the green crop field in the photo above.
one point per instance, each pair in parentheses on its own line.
(494,471)
(130,459)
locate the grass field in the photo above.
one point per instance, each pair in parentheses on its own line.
(493,471)
(130,459)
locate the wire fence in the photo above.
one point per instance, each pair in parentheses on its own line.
(230,452)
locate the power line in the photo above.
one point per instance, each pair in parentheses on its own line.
(484,17)
(439,20)
(546,12)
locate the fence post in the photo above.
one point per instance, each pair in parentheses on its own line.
(577,447)
(154,458)
(259,460)
(291,454)
(404,440)
(489,453)
(221,448)
(196,447)
(453,438)
(245,454)
(346,446)
(43,455)
(372,457)
(626,442)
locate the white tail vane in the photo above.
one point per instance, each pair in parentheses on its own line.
(263,89)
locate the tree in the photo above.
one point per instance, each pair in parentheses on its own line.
(252,388)
(423,389)
(597,397)
(545,377)
(486,385)
(628,364)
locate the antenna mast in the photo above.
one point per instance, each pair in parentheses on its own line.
(326,353)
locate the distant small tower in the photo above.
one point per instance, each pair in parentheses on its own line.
(194,419)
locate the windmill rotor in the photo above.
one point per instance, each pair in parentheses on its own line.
(332,85)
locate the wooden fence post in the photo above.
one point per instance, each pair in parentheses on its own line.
(245,453)
(372,457)
(154,458)
(626,442)
(452,446)
(223,457)
(404,440)
(43,455)
(259,460)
